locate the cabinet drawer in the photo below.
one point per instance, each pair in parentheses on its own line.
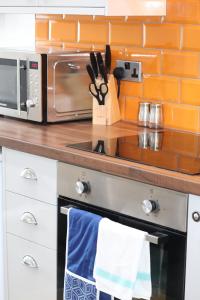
(31,219)
(31,270)
(31,176)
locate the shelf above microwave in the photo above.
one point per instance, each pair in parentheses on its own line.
(86,7)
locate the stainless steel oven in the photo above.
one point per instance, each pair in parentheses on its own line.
(160,212)
(44,85)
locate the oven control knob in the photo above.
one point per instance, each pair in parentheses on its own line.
(82,187)
(150,206)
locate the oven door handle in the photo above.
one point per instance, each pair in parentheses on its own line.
(157,238)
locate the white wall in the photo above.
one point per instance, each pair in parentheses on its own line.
(17,30)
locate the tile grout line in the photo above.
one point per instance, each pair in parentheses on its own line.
(49,33)
(143,35)
(181,37)
(78,32)
(109,32)
(180,90)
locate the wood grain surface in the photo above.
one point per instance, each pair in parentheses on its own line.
(51,140)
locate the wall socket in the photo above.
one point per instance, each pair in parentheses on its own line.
(133,70)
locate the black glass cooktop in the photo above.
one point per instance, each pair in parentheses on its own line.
(170,150)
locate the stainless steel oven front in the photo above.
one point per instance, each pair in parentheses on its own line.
(134,204)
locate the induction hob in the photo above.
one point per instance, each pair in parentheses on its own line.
(169,150)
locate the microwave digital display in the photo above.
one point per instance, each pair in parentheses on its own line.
(33,65)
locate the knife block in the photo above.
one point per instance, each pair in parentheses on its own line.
(109,113)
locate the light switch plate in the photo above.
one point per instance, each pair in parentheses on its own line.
(133,70)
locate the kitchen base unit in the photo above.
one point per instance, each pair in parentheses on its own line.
(31,270)
(30,204)
(37,193)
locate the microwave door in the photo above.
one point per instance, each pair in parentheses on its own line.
(71,86)
(8,84)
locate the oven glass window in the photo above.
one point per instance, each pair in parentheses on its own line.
(8,83)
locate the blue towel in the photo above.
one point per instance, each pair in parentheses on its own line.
(82,232)
(82,241)
(76,289)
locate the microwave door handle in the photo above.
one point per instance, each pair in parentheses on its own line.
(157,238)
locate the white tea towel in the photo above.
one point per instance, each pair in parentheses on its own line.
(122,263)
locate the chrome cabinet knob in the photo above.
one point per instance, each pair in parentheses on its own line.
(29,218)
(196,216)
(82,187)
(150,206)
(28,174)
(30,262)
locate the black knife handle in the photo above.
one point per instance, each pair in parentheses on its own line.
(103,73)
(108,58)
(100,147)
(94,64)
(99,59)
(91,73)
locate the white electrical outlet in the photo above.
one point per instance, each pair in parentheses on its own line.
(133,70)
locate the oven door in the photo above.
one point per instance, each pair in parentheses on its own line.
(13,86)
(167,257)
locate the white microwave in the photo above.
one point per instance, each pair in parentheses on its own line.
(44,86)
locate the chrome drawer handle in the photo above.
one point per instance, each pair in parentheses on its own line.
(30,262)
(28,174)
(29,218)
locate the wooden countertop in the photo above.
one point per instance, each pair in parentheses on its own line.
(50,141)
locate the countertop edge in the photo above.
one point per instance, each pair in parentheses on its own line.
(134,171)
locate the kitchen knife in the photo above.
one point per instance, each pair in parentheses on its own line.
(108,59)
(91,74)
(103,73)
(101,66)
(99,59)
(94,64)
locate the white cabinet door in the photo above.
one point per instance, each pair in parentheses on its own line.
(30,175)
(32,220)
(87,7)
(18,2)
(109,7)
(192,287)
(1,235)
(136,8)
(77,7)
(32,270)
(72,3)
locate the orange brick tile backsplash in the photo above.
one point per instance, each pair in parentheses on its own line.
(168,47)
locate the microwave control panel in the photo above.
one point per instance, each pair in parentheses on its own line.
(34,81)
